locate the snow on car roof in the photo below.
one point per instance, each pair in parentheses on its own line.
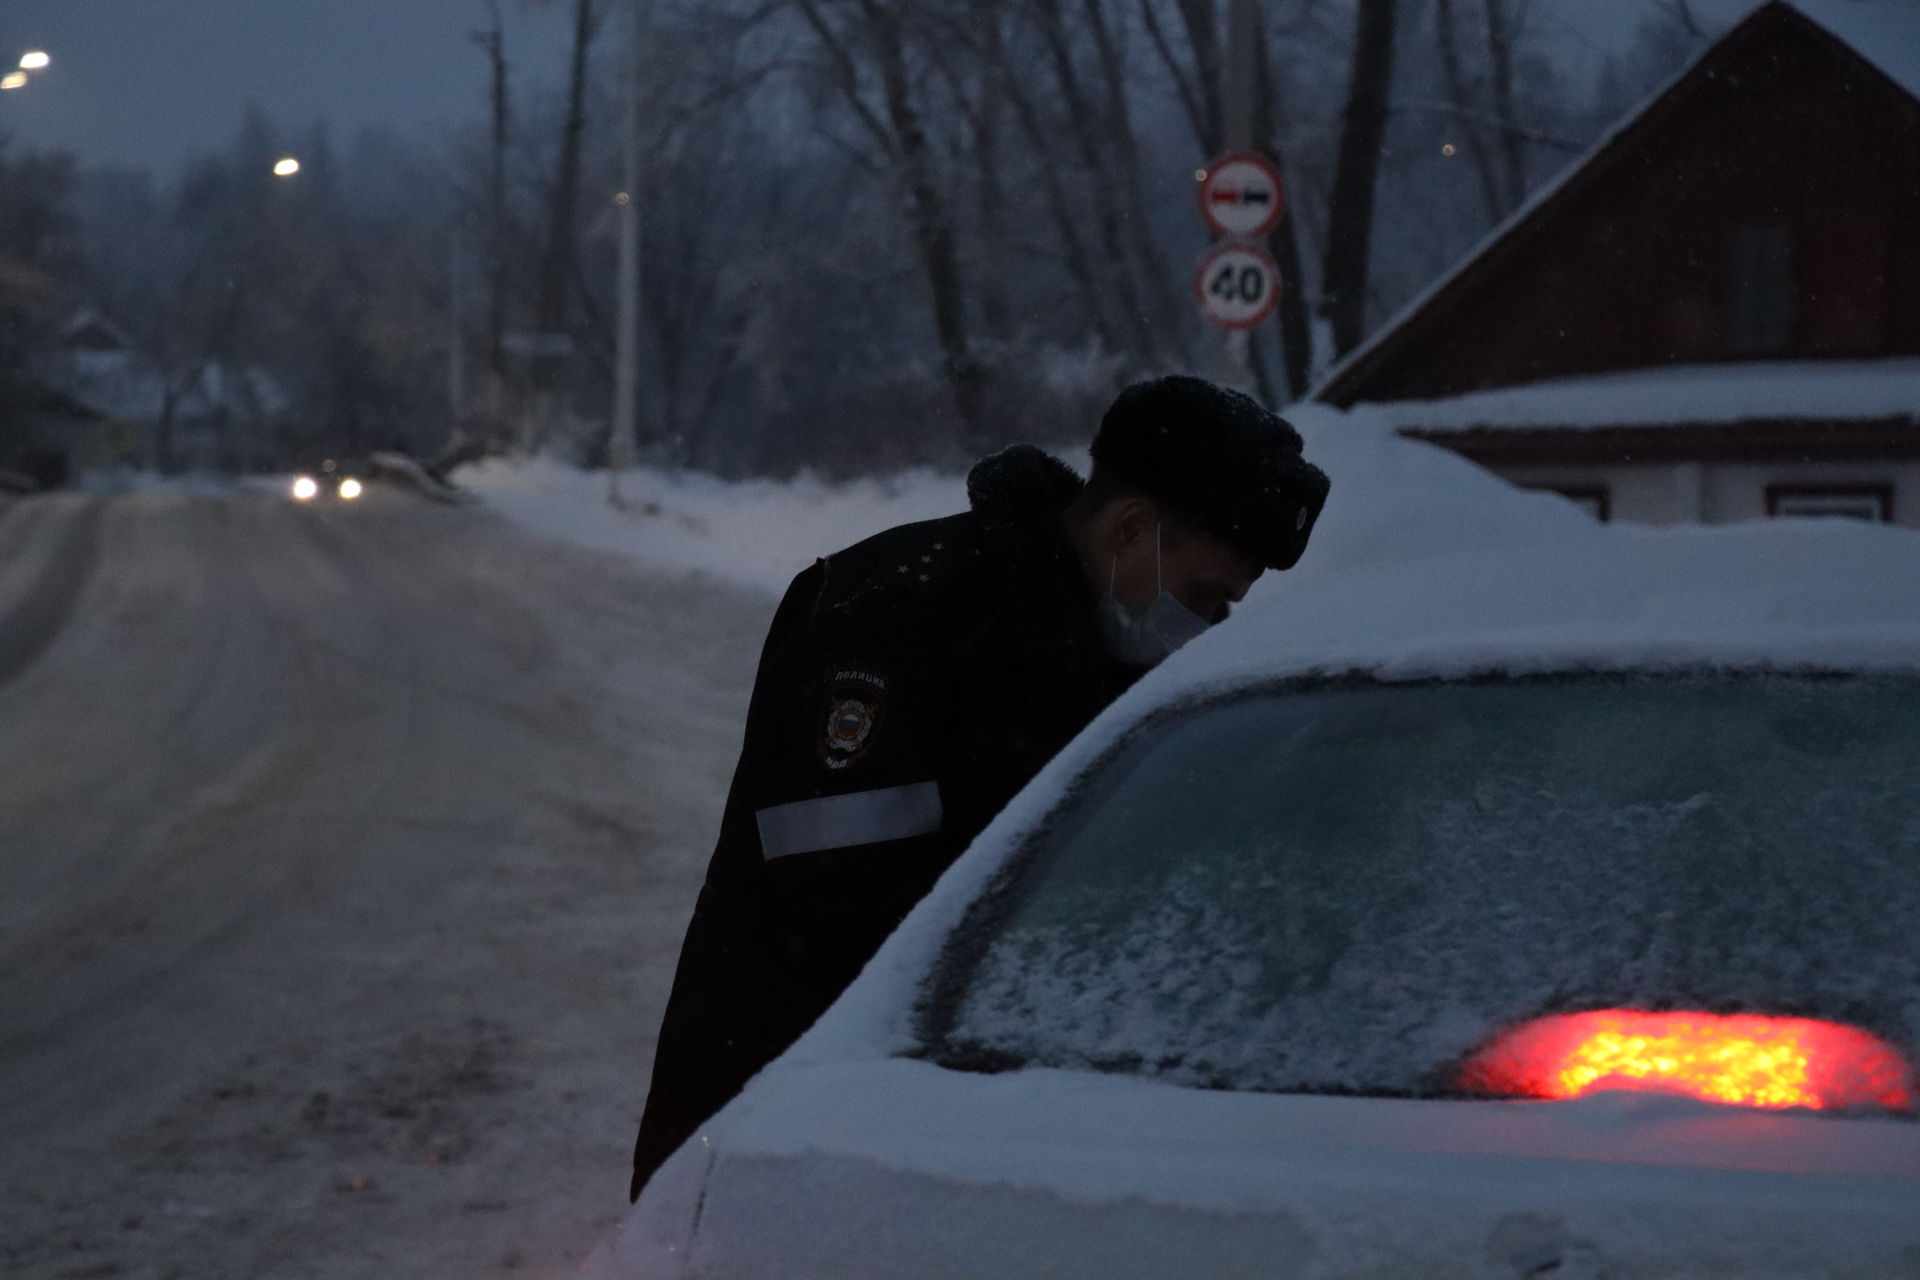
(1425,565)
(1827,390)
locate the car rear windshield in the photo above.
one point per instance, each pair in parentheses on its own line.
(1348,889)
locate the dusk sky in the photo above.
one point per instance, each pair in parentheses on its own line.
(155,82)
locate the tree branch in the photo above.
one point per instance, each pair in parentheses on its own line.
(1468,115)
(848,75)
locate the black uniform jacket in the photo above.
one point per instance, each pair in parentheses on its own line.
(909,686)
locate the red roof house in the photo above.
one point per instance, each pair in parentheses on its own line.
(1715,316)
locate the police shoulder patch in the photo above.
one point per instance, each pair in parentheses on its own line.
(856,703)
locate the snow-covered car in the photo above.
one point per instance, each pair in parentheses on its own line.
(1524,910)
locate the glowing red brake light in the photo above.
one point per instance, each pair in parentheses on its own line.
(1746,1059)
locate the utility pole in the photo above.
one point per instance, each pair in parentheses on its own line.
(456,339)
(621,433)
(1236,121)
(493,40)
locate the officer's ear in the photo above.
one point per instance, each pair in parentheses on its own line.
(1132,520)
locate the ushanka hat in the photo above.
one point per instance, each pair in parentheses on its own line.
(1218,460)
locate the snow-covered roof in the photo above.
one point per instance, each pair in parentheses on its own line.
(1886,33)
(82,323)
(1825,391)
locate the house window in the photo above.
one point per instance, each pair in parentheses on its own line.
(1595,500)
(1760,290)
(1870,502)
(1846,282)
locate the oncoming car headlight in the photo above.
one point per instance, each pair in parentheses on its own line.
(305,489)
(350,489)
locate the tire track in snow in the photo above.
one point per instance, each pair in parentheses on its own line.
(29,628)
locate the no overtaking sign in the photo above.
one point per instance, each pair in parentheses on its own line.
(1240,195)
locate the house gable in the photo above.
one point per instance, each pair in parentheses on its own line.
(1757,209)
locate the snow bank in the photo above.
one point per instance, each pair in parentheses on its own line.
(756,533)
(1392,500)
(1826,390)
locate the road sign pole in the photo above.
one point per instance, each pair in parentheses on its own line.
(1236,368)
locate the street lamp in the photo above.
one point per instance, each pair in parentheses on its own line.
(13,80)
(286,168)
(35,61)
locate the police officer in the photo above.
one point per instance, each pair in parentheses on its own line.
(911,684)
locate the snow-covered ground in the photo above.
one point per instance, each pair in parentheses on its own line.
(347,853)
(756,533)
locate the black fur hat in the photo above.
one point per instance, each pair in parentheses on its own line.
(1218,460)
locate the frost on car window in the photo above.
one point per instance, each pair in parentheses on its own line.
(1351,889)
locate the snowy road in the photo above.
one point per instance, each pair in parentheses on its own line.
(346,851)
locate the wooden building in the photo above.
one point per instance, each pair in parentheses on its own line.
(1715,316)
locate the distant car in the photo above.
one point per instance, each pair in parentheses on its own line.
(331,478)
(1547,912)
(348,480)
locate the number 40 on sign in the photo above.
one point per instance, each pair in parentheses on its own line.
(1237,284)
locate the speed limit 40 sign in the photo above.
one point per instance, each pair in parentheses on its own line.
(1237,285)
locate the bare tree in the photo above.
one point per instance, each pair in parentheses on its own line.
(556,263)
(1095,309)
(1461,97)
(493,40)
(1350,216)
(1503,28)
(986,121)
(1105,124)
(863,41)
(36,228)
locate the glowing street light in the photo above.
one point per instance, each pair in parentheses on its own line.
(13,80)
(34,61)
(286,168)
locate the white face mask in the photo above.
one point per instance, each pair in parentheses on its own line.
(1145,638)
